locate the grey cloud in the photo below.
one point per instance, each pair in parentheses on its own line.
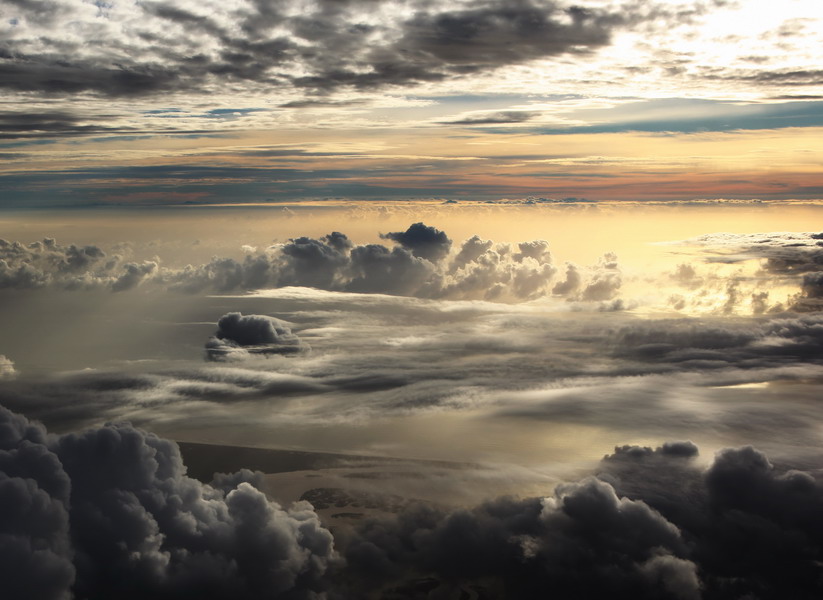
(770,343)
(472,249)
(36,554)
(782,253)
(422,265)
(733,515)
(109,512)
(779,77)
(422,241)
(653,524)
(267,43)
(584,541)
(498,118)
(47,263)
(239,336)
(16,124)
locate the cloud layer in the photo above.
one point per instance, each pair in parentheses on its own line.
(157,47)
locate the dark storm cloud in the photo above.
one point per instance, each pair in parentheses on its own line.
(434,45)
(192,46)
(109,512)
(734,515)
(584,541)
(239,336)
(653,524)
(36,553)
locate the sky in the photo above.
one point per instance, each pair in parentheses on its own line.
(157,103)
(343,299)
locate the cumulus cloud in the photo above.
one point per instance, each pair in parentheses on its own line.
(652,524)
(109,512)
(7,370)
(422,241)
(571,283)
(422,264)
(582,541)
(239,336)
(734,514)
(49,264)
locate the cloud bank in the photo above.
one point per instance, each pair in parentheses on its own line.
(109,512)
(652,524)
(421,265)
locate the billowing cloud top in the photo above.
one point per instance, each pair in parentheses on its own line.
(110,513)
(239,336)
(420,265)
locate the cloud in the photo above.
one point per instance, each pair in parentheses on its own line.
(582,541)
(7,370)
(570,284)
(239,336)
(652,524)
(109,512)
(36,553)
(770,343)
(423,241)
(421,265)
(49,264)
(497,118)
(158,47)
(734,514)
